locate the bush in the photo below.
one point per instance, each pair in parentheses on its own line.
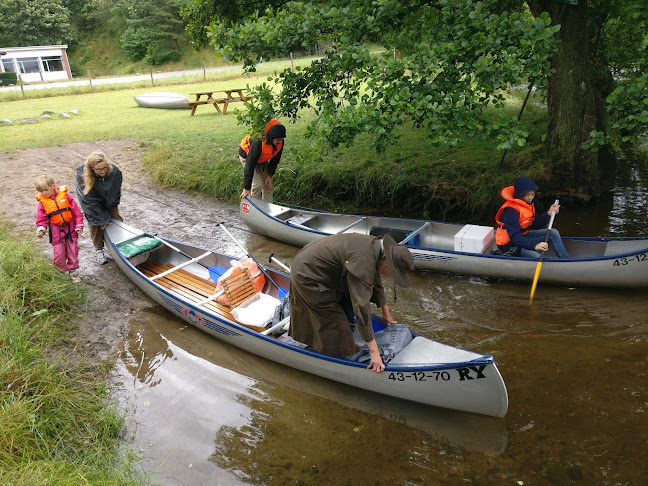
(8,78)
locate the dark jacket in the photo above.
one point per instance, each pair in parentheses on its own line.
(104,196)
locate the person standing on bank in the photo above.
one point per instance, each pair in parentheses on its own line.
(260,159)
(334,270)
(520,228)
(98,187)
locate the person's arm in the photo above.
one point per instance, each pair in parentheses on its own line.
(251,162)
(41,220)
(77,217)
(511,219)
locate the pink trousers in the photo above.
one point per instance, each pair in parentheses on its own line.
(66,254)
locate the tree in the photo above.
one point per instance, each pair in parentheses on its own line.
(455,59)
(29,23)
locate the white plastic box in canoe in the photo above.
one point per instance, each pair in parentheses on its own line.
(161,99)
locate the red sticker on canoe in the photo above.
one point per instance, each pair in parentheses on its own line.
(245,207)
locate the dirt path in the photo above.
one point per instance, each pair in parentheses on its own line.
(113,299)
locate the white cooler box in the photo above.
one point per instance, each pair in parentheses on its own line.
(474,239)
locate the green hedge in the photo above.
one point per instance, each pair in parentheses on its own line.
(8,78)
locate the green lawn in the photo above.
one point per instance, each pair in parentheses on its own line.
(199,153)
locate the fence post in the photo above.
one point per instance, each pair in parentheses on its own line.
(21,85)
(90,79)
(204,72)
(151,69)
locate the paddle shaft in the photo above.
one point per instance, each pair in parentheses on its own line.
(539,266)
(244,250)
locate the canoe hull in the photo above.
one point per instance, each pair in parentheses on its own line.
(163,100)
(472,385)
(603,262)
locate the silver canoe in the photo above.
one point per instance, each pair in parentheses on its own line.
(425,371)
(438,246)
(163,99)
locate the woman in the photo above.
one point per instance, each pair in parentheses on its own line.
(98,188)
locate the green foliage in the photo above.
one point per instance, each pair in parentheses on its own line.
(55,424)
(628,105)
(28,23)
(8,78)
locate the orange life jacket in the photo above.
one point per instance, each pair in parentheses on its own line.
(525,210)
(58,209)
(267,149)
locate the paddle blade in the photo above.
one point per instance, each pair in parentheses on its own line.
(535,281)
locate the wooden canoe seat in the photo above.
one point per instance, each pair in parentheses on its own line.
(190,287)
(238,286)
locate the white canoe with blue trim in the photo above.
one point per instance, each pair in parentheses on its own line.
(163,99)
(439,246)
(425,371)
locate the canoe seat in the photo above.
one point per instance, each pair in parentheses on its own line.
(238,286)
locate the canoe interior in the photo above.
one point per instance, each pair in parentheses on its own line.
(431,234)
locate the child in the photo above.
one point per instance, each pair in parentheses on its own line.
(58,211)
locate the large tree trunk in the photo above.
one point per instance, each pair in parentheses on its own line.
(575,103)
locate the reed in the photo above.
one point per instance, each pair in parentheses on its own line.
(56,425)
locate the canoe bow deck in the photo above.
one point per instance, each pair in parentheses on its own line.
(438,246)
(426,371)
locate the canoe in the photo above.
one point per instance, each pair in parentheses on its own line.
(162,99)
(177,276)
(461,249)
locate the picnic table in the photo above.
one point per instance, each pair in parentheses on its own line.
(207,98)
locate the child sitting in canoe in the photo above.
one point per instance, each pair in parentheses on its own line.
(519,229)
(58,212)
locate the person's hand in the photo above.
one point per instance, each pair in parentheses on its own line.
(554,207)
(40,233)
(376,363)
(104,226)
(387,316)
(245,193)
(542,246)
(268,182)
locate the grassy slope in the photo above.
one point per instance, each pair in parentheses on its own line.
(199,153)
(55,425)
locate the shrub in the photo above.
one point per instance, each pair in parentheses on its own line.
(8,78)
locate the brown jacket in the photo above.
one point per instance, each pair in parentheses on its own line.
(321,274)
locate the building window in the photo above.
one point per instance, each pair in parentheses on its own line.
(29,65)
(53,63)
(8,65)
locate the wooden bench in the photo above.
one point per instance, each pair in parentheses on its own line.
(189,287)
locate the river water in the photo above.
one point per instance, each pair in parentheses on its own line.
(575,364)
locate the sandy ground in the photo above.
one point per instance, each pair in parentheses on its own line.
(112,299)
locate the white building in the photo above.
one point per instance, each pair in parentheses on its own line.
(36,63)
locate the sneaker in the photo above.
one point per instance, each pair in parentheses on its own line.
(101,256)
(74,276)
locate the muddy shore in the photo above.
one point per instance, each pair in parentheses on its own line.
(112,298)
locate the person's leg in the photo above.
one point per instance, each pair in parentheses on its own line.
(114,214)
(59,258)
(72,251)
(258,182)
(529,253)
(96,235)
(556,244)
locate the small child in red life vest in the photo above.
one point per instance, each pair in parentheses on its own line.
(58,211)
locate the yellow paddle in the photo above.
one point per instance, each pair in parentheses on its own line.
(539,266)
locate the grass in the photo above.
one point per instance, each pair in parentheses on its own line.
(199,153)
(55,424)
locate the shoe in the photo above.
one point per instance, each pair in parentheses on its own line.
(74,276)
(101,256)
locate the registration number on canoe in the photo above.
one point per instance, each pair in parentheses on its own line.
(468,373)
(641,257)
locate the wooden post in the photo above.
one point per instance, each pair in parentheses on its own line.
(204,72)
(90,79)
(21,85)
(151,69)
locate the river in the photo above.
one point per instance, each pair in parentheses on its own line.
(575,366)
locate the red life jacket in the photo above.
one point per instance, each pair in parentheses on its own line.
(524,209)
(268,150)
(57,209)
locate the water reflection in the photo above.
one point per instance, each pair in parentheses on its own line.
(230,416)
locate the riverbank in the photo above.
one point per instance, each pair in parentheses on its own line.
(57,425)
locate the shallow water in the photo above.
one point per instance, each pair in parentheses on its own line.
(575,365)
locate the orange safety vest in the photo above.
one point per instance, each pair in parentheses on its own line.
(525,210)
(267,149)
(58,209)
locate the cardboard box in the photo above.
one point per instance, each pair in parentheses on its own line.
(474,239)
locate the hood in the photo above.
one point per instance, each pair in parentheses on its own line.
(523,185)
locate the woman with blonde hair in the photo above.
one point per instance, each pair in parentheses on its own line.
(98,188)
